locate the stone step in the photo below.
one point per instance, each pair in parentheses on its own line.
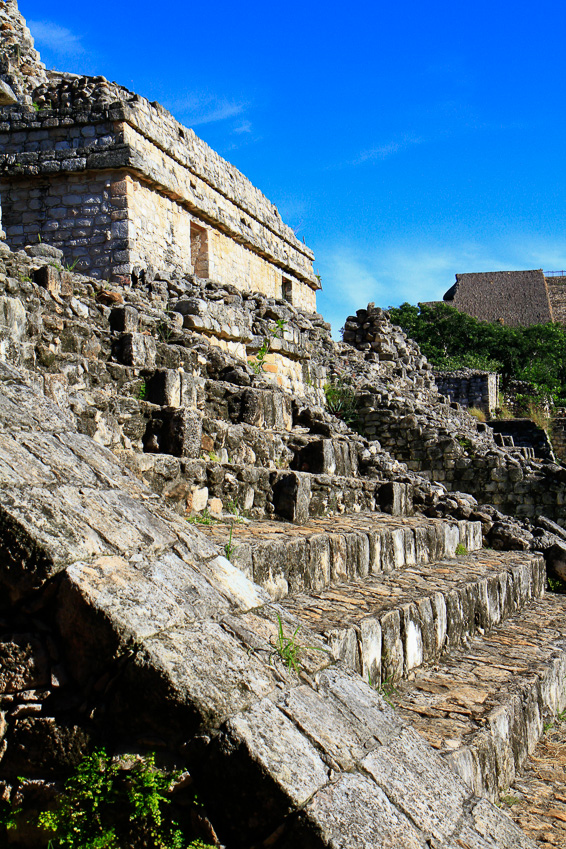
(191,485)
(536,800)
(285,558)
(389,624)
(484,706)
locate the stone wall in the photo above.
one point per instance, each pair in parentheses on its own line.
(83,127)
(470,388)
(76,218)
(557,294)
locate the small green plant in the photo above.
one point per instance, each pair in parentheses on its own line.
(203,518)
(466,444)
(71,266)
(229,547)
(233,507)
(142,392)
(509,800)
(109,804)
(461,549)
(276,331)
(555,585)
(546,726)
(288,649)
(341,399)
(385,689)
(164,331)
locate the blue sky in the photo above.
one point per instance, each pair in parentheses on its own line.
(404,141)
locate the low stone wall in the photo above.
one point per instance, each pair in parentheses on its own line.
(470,388)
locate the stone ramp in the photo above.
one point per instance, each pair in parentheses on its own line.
(166,638)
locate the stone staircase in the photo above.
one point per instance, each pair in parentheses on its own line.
(466,646)
(326,540)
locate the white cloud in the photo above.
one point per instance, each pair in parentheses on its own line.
(384,150)
(206,109)
(244,127)
(51,36)
(353,276)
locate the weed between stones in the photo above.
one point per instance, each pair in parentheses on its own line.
(288,649)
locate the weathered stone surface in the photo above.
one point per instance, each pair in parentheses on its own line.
(23,664)
(342,809)
(40,744)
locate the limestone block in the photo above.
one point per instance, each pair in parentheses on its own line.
(419,783)
(343,644)
(135,349)
(124,319)
(197,499)
(182,432)
(270,569)
(164,388)
(7,96)
(356,813)
(395,498)
(392,659)
(291,496)
(49,277)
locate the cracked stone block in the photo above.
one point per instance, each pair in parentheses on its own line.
(291,496)
(135,349)
(182,432)
(124,319)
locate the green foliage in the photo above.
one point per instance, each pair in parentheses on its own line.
(142,393)
(555,585)
(239,514)
(229,547)
(509,800)
(450,339)
(203,518)
(385,689)
(276,331)
(288,648)
(461,549)
(341,399)
(112,805)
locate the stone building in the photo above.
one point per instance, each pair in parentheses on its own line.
(123,188)
(510,297)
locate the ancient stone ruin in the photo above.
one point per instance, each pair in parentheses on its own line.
(510,297)
(192,469)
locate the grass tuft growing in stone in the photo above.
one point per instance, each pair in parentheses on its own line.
(288,649)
